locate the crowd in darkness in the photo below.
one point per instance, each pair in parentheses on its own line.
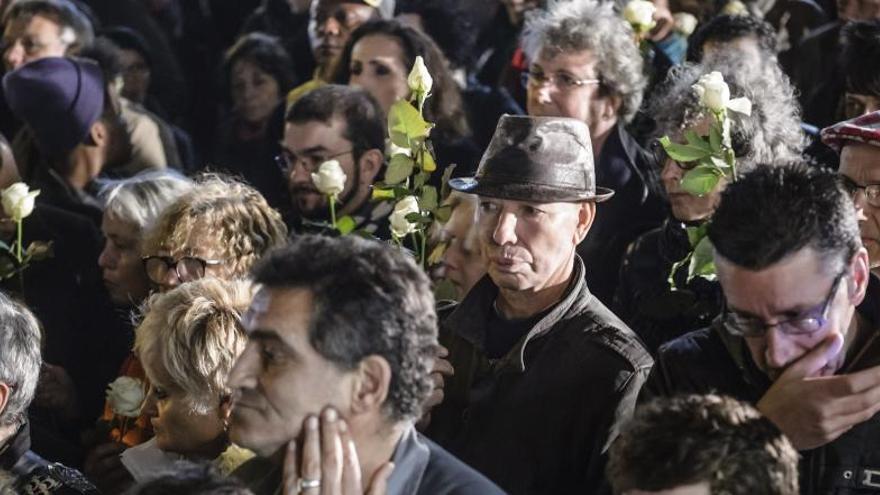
(653,228)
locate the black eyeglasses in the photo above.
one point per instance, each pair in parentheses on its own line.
(810,321)
(871,191)
(187,268)
(286,161)
(660,156)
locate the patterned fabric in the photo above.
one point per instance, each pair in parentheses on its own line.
(864,129)
(33,475)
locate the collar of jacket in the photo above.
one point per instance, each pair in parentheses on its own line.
(14,448)
(410,460)
(470,317)
(622,150)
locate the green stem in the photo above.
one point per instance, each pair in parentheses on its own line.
(18,243)
(332,210)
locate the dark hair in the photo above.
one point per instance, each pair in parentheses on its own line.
(773,212)
(63,12)
(107,55)
(364,120)
(725,28)
(861,51)
(450,23)
(267,53)
(444,107)
(188,478)
(369,299)
(693,439)
(129,39)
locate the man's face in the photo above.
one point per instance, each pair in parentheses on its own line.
(25,40)
(305,147)
(858,10)
(280,379)
(331,23)
(556,98)
(120,262)
(530,246)
(860,163)
(798,286)
(858,104)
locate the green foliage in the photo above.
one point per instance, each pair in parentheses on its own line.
(406,124)
(701,180)
(399,169)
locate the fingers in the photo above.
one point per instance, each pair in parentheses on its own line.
(812,362)
(379,484)
(331,453)
(311,462)
(864,380)
(351,466)
(443,367)
(290,478)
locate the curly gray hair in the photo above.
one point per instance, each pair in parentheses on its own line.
(19,358)
(771,134)
(573,26)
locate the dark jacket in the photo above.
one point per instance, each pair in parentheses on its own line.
(644,298)
(634,209)
(420,468)
(540,419)
(33,475)
(712,360)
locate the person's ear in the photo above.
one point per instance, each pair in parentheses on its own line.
(371,384)
(98,134)
(860,271)
(370,164)
(611,104)
(586,214)
(5,392)
(225,408)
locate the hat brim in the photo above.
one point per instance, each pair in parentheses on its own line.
(528,192)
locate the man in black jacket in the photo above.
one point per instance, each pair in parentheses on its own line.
(799,335)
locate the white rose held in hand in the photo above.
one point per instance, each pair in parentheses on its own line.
(713,91)
(420,80)
(685,23)
(400,226)
(125,396)
(330,179)
(18,201)
(640,14)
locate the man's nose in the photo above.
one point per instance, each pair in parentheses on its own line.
(14,56)
(780,351)
(241,375)
(505,229)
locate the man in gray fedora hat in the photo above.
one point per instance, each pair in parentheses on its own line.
(544,373)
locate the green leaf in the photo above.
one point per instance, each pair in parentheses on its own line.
(715,139)
(382,194)
(345,225)
(399,169)
(701,180)
(682,152)
(406,124)
(421,179)
(428,200)
(696,234)
(443,213)
(427,161)
(695,140)
(702,262)
(675,267)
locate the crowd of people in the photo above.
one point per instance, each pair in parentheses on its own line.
(631,247)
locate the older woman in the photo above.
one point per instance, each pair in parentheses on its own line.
(188,341)
(378,57)
(771,133)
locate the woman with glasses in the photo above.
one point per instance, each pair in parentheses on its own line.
(645,297)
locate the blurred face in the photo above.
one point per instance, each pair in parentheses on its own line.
(562,97)
(177,427)
(686,207)
(530,246)
(331,23)
(697,489)
(377,66)
(32,39)
(860,164)
(201,243)
(120,262)
(799,285)
(858,10)
(305,147)
(136,76)
(255,93)
(747,47)
(858,105)
(463,265)
(516,9)
(280,378)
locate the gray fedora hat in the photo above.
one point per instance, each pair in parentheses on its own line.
(540,159)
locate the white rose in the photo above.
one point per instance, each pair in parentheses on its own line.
(713,91)
(684,23)
(17,201)
(419,79)
(330,179)
(640,14)
(125,396)
(400,226)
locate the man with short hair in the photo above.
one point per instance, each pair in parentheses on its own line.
(798,337)
(544,373)
(331,22)
(19,371)
(584,64)
(339,123)
(43,28)
(343,329)
(702,445)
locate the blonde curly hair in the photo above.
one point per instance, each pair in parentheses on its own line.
(195,333)
(241,224)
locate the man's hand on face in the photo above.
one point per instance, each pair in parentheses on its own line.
(442,368)
(815,410)
(328,462)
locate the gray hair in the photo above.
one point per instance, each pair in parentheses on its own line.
(140,199)
(578,25)
(771,134)
(20,358)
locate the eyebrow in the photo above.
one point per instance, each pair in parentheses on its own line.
(267,335)
(791,312)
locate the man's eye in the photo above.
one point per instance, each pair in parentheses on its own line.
(531,211)
(356,69)
(488,207)
(565,80)
(382,70)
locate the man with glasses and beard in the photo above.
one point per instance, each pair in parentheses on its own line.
(798,335)
(335,123)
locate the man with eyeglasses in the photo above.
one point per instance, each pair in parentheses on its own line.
(858,142)
(331,22)
(798,337)
(584,64)
(335,123)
